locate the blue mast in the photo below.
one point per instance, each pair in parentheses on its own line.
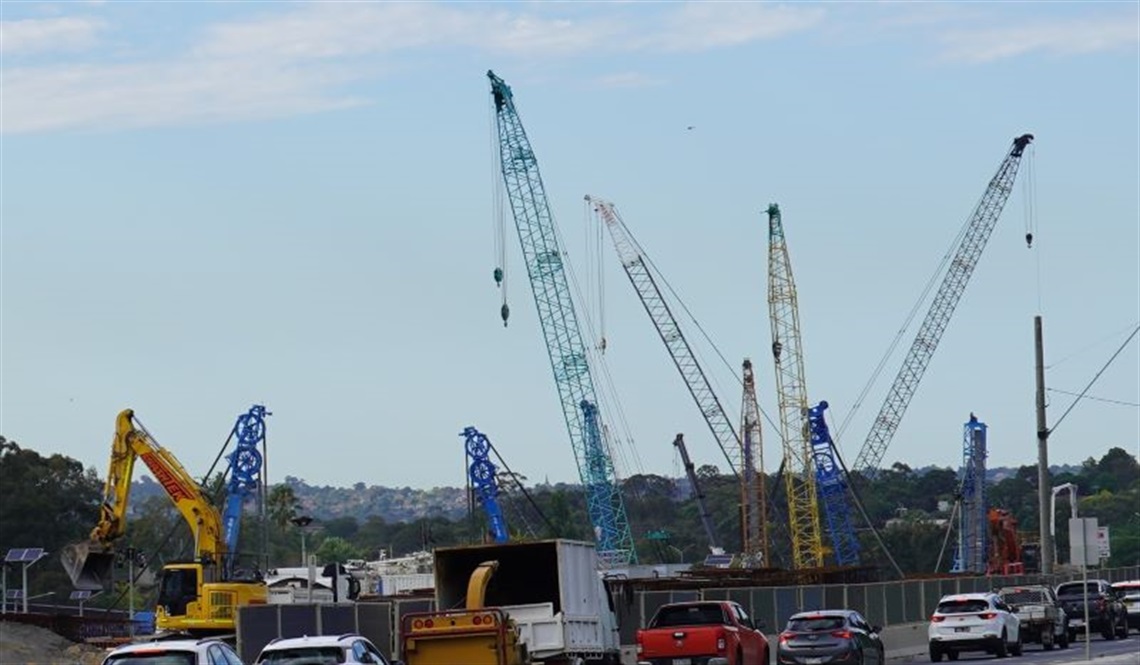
(481,471)
(972,553)
(244,472)
(563,337)
(831,485)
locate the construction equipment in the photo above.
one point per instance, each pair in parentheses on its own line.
(564,343)
(637,268)
(481,473)
(755,507)
(969,249)
(971,553)
(523,602)
(194,596)
(1004,555)
(690,471)
(244,478)
(799,482)
(831,482)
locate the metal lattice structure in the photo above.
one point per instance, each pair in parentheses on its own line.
(560,329)
(754,499)
(481,472)
(972,554)
(961,267)
(831,482)
(669,330)
(791,392)
(244,474)
(698,493)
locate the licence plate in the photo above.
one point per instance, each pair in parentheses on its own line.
(961,630)
(1076,622)
(813,661)
(682,661)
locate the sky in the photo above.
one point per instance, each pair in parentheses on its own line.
(210,205)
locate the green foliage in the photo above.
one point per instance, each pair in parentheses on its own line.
(335,549)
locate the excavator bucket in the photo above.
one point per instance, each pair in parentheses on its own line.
(89,564)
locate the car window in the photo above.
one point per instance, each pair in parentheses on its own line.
(157,656)
(231,655)
(742,616)
(330,655)
(962,606)
(689,615)
(377,657)
(1074,589)
(813,623)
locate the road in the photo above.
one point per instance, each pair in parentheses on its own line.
(1102,652)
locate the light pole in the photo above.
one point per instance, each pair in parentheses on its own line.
(301,522)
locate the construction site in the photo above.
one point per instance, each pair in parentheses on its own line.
(802,537)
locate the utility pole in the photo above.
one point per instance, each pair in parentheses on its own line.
(1043,481)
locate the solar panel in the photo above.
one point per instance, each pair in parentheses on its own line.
(718,560)
(15,594)
(82,594)
(23,554)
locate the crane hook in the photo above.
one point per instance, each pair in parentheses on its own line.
(505,312)
(1029,240)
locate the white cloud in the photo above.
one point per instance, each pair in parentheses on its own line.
(1070,37)
(279,63)
(49,34)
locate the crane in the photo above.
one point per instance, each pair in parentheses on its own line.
(690,471)
(831,482)
(791,391)
(969,250)
(481,471)
(971,555)
(564,342)
(245,475)
(754,502)
(636,267)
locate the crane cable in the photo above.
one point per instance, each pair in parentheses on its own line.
(498,217)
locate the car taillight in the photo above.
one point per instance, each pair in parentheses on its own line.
(640,648)
(721,644)
(784,637)
(1099,604)
(841,634)
(988,615)
(937,619)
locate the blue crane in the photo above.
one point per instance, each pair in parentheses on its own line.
(481,471)
(831,484)
(564,341)
(244,473)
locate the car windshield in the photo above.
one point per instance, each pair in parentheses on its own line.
(303,656)
(813,623)
(153,657)
(962,606)
(1074,589)
(689,615)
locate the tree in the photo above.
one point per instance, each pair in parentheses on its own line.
(282,505)
(335,549)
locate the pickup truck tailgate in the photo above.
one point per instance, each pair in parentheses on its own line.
(674,645)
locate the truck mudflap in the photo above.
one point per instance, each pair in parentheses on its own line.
(472,637)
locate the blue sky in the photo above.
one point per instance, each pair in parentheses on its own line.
(210,205)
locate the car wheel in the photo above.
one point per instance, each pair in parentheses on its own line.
(1048,637)
(1018,646)
(935,653)
(1122,629)
(1109,630)
(1002,647)
(952,655)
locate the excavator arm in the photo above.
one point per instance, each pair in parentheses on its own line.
(89,563)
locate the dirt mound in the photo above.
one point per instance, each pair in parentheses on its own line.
(31,645)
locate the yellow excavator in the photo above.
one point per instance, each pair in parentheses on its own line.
(199,596)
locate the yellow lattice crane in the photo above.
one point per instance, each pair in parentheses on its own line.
(791,392)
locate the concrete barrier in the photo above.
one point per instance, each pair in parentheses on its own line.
(906,641)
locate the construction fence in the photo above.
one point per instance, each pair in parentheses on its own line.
(883,604)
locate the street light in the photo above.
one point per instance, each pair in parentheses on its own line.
(302,521)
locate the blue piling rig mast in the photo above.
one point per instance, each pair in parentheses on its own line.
(481,472)
(244,474)
(564,342)
(972,554)
(831,484)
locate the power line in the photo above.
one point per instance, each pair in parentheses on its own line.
(1097,376)
(1098,399)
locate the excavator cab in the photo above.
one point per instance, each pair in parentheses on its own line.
(89,564)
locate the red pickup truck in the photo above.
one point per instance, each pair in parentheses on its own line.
(701,633)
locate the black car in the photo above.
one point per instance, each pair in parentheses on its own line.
(1106,613)
(829,636)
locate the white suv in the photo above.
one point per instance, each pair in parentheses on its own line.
(973,622)
(322,650)
(174,651)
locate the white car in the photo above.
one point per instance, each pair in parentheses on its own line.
(322,650)
(1130,593)
(973,622)
(174,651)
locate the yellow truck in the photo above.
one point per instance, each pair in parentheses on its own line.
(520,603)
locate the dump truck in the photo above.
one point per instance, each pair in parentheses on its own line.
(516,603)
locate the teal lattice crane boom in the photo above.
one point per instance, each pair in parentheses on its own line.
(564,342)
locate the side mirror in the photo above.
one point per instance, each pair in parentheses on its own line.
(876,629)
(1013,609)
